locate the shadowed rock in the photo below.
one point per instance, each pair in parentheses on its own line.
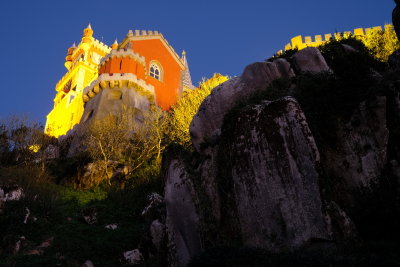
(396,18)
(270,160)
(182,220)
(359,155)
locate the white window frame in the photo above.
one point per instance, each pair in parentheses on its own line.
(156,66)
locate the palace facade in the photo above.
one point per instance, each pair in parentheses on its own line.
(141,70)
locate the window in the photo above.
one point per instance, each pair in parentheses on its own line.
(155,71)
(71,97)
(67,87)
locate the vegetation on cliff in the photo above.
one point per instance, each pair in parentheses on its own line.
(184,111)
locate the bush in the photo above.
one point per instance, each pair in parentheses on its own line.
(182,113)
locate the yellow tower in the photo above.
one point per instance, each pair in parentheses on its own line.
(82,64)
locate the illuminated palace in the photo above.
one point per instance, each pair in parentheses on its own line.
(141,70)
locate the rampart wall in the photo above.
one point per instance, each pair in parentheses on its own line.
(301,42)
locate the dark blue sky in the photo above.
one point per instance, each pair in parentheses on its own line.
(219,36)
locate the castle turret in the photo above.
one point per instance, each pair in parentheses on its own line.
(82,62)
(114,46)
(87,38)
(186,78)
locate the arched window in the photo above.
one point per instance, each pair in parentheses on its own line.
(155,71)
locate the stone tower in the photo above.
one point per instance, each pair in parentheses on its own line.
(82,68)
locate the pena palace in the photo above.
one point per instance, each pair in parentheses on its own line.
(141,70)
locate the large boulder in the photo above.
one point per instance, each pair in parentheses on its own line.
(11,193)
(154,208)
(182,220)
(133,257)
(208,120)
(309,59)
(269,160)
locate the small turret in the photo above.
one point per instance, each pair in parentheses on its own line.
(88,32)
(186,79)
(114,46)
(87,37)
(68,58)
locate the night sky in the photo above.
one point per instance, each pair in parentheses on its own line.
(218,36)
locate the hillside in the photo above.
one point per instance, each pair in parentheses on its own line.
(293,163)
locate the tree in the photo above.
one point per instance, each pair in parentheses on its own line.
(22,141)
(183,112)
(382,43)
(132,138)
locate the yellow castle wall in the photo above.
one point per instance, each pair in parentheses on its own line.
(301,42)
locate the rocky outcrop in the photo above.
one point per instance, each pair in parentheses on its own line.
(396,18)
(359,155)
(157,233)
(270,160)
(153,209)
(309,59)
(182,220)
(340,225)
(260,182)
(11,193)
(88,263)
(208,121)
(89,215)
(133,257)
(394,60)
(259,179)
(98,171)
(206,124)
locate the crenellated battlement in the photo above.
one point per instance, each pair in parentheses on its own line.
(101,46)
(96,45)
(143,35)
(116,80)
(122,53)
(301,42)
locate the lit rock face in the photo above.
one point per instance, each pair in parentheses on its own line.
(208,120)
(182,221)
(360,153)
(309,59)
(270,160)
